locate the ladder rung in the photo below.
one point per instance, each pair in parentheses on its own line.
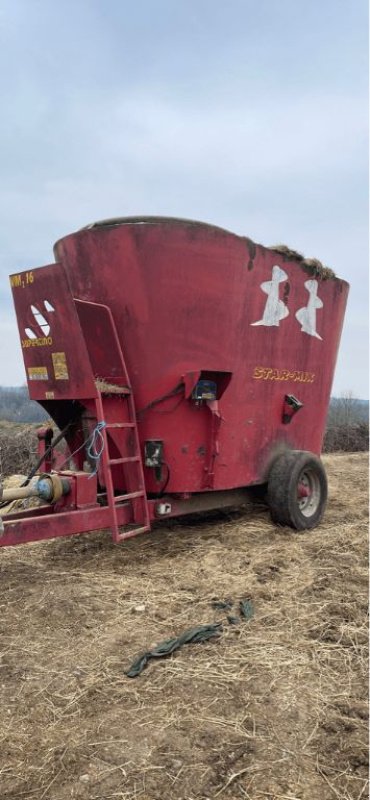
(120,425)
(124,460)
(114,388)
(133,532)
(130,496)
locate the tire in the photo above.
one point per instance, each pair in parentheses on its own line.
(297,490)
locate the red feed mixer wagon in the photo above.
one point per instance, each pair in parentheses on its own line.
(182,365)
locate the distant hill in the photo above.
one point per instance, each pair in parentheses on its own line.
(16,406)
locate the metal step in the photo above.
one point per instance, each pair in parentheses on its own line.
(120,425)
(132,532)
(131,496)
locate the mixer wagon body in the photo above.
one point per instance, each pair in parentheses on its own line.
(216,354)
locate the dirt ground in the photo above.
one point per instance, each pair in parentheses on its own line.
(275,708)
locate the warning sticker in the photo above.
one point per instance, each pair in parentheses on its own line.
(60,366)
(38,374)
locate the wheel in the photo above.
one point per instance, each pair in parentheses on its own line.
(297,490)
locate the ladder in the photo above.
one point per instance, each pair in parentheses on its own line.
(130,467)
(114,404)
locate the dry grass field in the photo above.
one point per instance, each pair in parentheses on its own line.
(274,709)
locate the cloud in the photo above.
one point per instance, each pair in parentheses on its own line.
(251,116)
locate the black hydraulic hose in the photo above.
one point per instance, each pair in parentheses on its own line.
(164,487)
(48,450)
(177,390)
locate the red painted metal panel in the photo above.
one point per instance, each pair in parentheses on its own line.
(54,350)
(101,340)
(37,526)
(188,298)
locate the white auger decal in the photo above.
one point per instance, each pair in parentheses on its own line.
(276,310)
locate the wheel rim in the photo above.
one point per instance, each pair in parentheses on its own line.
(309,492)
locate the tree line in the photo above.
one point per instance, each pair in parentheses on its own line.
(347,426)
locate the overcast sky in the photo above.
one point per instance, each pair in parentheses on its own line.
(251,114)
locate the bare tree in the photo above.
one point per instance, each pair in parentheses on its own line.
(347,427)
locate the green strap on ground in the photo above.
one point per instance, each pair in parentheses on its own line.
(199,634)
(223,605)
(246,609)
